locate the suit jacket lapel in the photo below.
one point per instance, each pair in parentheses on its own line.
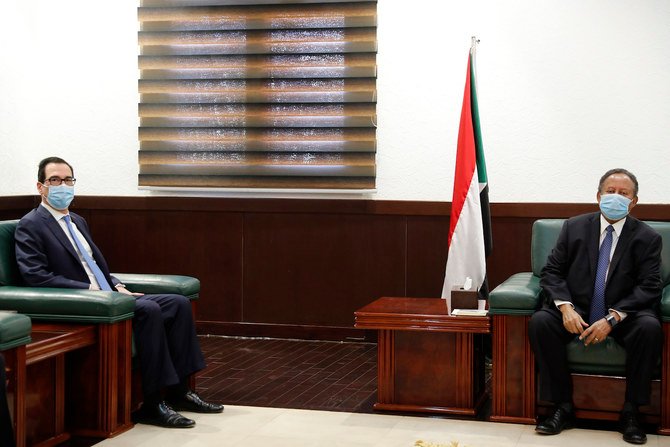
(622,245)
(57,231)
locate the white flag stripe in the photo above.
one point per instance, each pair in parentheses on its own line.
(466,256)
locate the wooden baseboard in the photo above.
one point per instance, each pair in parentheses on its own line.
(301,332)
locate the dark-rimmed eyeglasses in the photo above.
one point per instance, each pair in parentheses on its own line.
(56,181)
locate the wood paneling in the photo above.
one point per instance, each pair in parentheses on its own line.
(426,254)
(298,268)
(315,268)
(16,206)
(206,245)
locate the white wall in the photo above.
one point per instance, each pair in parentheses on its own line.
(567,89)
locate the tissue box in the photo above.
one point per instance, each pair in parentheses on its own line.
(464,299)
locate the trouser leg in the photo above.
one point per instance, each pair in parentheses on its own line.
(548,339)
(166,341)
(642,337)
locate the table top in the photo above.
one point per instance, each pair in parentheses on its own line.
(421,314)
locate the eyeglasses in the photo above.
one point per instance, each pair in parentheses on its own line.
(56,181)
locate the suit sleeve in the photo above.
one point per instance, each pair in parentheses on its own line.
(553,276)
(33,261)
(646,292)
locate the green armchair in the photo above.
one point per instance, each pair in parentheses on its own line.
(14,330)
(597,371)
(14,336)
(86,333)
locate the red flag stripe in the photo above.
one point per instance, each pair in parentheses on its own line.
(466,158)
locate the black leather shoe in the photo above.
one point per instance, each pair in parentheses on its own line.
(163,416)
(632,432)
(559,420)
(192,402)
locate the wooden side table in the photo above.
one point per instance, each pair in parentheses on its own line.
(71,381)
(428,360)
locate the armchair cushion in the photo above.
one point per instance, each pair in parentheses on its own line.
(14,330)
(150,283)
(518,295)
(607,358)
(73,305)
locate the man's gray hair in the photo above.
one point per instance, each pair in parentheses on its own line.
(625,172)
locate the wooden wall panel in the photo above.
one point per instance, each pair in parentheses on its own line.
(298,267)
(316,269)
(207,245)
(511,248)
(14,207)
(426,255)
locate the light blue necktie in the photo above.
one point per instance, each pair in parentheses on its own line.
(102,281)
(598,308)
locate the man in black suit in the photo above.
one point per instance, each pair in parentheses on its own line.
(601,279)
(6,427)
(54,248)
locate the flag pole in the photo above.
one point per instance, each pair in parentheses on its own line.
(473,56)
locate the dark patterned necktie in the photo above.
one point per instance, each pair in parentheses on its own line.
(598,308)
(99,276)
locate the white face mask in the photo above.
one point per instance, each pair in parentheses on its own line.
(60,196)
(614,206)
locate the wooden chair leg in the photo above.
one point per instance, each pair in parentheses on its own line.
(15,363)
(513,391)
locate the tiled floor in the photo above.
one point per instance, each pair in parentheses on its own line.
(314,375)
(273,391)
(281,427)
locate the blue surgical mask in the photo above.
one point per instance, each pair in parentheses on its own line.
(614,206)
(60,196)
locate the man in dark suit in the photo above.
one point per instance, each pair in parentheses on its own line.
(601,279)
(54,248)
(6,427)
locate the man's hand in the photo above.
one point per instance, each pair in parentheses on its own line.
(572,321)
(596,333)
(127,292)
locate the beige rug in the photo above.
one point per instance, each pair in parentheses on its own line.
(421,443)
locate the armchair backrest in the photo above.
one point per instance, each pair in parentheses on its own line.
(546,231)
(545,235)
(9,271)
(663,228)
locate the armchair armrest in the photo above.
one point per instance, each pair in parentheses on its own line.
(74,305)
(151,283)
(518,295)
(14,330)
(665,304)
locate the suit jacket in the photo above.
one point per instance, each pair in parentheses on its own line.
(634,279)
(46,257)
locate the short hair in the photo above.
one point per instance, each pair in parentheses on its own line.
(41,175)
(625,172)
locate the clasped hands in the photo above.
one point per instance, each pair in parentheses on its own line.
(589,334)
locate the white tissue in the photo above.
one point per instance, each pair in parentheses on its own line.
(467,285)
